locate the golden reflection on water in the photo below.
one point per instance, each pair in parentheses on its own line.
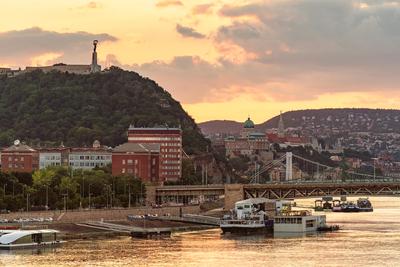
(367,239)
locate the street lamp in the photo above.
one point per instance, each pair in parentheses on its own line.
(65,201)
(129,196)
(89,195)
(47,197)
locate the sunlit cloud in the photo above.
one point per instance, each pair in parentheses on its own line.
(188,32)
(35,44)
(202,9)
(168,3)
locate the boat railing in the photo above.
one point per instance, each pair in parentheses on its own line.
(295,213)
(243,222)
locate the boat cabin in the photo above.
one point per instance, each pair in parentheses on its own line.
(28,238)
(298,222)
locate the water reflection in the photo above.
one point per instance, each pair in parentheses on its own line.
(29,251)
(367,239)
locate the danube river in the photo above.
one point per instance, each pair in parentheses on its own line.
(367,239)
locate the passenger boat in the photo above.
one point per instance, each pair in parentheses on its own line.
(261,215)
(254,215)
(301,221)
(12,239)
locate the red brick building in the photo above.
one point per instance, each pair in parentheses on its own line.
(170,141)
(139,160)
(19,158)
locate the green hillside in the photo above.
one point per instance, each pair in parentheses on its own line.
(45,109)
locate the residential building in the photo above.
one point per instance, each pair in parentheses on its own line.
(89,157)
(19,158)
(170,141)
(53,157)
(139,160)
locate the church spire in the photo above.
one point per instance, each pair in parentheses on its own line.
(281,126)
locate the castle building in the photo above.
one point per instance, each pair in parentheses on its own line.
(170,142)
(249,143)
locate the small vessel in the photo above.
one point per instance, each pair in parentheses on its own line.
(12,239)
(336,206)
(301,221)
(349,207)
(253,215)
(324,204)
(364,205)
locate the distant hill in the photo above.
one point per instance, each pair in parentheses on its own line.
(216,126)
(338,120)
(50,108)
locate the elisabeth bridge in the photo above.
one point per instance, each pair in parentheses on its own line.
(315,181)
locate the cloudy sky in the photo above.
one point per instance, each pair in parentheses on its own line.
(223,59)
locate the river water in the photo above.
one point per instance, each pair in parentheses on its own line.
(367,239)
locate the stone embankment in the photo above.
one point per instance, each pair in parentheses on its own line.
(100,214)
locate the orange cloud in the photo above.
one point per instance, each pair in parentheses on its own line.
(202,9)
(168,3)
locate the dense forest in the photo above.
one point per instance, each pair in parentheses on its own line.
(49,108)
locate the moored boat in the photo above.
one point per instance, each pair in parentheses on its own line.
(364,205)
(12,239)
(254,215)
(261,215)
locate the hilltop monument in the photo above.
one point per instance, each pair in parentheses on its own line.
(72,68)
(94,67)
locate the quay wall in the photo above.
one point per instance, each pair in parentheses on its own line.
(96,215)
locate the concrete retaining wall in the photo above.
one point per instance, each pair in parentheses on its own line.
(95,215)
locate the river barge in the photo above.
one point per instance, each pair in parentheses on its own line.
(15,239)
(261,215)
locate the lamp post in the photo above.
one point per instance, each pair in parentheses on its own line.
(89,195)
(47,197)
(65,201)
(27,202)
(129,196)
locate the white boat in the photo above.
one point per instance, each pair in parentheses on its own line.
(254,215)
(10,239)
(300,221)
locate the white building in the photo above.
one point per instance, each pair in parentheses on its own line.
(88,158)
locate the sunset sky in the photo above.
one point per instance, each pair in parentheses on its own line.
(223,59)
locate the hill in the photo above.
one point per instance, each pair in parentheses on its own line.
(50,108)
(337,120)
(215,126)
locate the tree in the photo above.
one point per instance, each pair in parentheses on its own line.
(42,180)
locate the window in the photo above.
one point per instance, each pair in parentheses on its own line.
(130,162)
(123,170)
(123,162)
(22,158)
